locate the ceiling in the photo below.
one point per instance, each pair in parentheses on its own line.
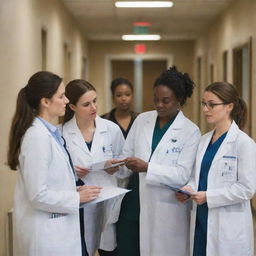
(101,20)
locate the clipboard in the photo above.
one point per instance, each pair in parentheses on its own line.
(176,189)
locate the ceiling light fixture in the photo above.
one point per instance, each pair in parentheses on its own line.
(144,4)
(141,37)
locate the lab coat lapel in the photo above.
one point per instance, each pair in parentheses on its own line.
(172,132)
(149,128)
(97,138)
(76,136)
(55,144)
(228,142)
(200,153)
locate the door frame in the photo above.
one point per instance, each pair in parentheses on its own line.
(135,57)
(248,45)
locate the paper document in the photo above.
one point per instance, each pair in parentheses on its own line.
(107,193)
(114,165)
(100,166)
(177,189)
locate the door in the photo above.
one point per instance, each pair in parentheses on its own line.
(151,70)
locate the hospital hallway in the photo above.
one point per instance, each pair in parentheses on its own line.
(97,40)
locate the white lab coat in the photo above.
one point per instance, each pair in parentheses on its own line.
(45,185)
(231,185)
(107,143)
(164,222)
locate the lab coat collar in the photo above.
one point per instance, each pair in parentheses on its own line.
(174,129)
(101,128)
(226,144)
(149,127)
(77,138)
(75,134)
(37,123)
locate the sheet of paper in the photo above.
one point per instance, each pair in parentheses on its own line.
(107,193)
(100,166)
(114,165)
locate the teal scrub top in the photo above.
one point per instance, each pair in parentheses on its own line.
(200,237)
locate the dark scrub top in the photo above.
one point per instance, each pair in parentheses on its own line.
(128,242)
(200,237)
(111,116)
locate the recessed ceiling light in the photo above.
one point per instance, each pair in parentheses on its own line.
(144,4)
(141,37)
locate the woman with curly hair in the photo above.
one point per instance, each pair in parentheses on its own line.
(160,150)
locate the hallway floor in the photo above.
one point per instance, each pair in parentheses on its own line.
(254,227)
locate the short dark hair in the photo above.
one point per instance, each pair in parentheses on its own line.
(180,83)
(118,81)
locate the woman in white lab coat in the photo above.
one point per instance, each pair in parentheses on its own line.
(46,202)
(92,139)
(161,147)
(224,178)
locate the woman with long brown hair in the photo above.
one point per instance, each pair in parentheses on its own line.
(93,140)
(46,202)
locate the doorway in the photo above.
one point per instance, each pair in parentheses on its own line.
(242,57)
(142,72)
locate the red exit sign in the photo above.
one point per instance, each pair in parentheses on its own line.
(140,48)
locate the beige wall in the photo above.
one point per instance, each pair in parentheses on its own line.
(182,52)
(20,56)
(232,29)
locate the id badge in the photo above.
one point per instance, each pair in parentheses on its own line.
(229,168)
(107,151)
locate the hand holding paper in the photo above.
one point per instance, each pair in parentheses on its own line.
(106,165)
(81,171)
(88,193)
(136,164)
(182,197)
(111,166)
(199,197)
(106,194)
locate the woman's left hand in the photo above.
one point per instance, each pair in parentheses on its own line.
(136,164)
(81,171)
(199,197)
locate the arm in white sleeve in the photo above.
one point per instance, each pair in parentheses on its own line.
(35,160)
(179,174)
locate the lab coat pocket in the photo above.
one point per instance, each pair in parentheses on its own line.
(172,154)
(232,237)
(58,232)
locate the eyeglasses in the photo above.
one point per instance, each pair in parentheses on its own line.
(211,105)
